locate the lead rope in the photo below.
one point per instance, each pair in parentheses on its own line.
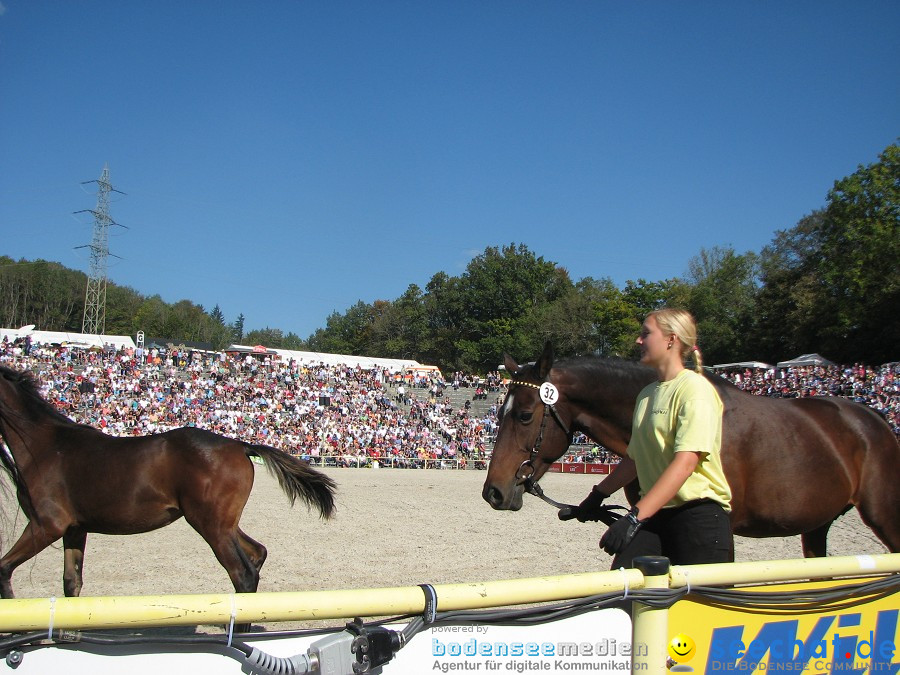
(537,491)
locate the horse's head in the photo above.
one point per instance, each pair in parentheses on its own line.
(533,432)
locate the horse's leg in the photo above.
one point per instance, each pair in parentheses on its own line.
(73,542)
(241,564)
(255,551)
(33,540)
(815,542)
(228,548)
(218,525)
(878,508)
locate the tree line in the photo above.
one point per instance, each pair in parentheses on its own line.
(830,284)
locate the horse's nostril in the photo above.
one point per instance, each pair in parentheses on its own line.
(493,496)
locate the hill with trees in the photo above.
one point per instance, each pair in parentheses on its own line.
(830,284)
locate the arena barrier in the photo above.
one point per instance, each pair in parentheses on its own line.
(580,467)
(843,617)
(364,462)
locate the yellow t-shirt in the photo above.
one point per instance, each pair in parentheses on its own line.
(682,414)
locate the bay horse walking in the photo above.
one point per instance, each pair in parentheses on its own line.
(72,479)
(794,465)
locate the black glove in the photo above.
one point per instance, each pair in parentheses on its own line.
(587,509)
(621,532)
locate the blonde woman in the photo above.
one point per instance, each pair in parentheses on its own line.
(676,437)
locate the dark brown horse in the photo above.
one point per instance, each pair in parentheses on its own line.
(72,479)
(794,465)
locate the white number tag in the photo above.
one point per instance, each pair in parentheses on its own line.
(549,393)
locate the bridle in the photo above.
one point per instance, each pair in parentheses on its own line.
(531,485)
(549,394)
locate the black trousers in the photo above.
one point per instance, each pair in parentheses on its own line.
(694,533)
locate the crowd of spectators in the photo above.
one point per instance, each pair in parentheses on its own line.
(341,415)
(878,388)
(335,415)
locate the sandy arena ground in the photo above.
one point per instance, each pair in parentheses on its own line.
(392,528)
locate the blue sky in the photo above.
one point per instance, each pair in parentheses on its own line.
(285,160)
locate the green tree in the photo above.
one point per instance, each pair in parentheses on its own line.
(398,328)
(122,305)
(616,320)
(831,284)
(347,333)
(152,317)
(237,329)
(501,289)
(295,342)
(216,332)
(444,315)
(272,338)
(858,263)
(787,302)
(723,287)
(216,315)
(570,322)
(42,293)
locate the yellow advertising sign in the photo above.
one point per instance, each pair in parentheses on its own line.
(851,636)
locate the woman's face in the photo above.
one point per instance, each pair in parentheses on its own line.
(653,343)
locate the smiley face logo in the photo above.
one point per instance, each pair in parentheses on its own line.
(682,648)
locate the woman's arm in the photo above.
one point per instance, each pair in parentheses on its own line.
(622,475)
(668,483)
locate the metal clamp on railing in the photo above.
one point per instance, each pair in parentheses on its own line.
(430,603)
(373,646)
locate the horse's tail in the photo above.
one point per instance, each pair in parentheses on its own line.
(297,478)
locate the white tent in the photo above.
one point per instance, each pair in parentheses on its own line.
(365,362)
(315,358)
(83,340)
(806,360)
(759,365)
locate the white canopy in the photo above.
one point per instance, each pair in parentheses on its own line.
(313,358)
(84,340)
(806,360)
(744,364)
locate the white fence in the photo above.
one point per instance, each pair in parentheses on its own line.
(363,462)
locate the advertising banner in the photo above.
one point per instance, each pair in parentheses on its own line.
(592,642)
(854,636)
(595,641)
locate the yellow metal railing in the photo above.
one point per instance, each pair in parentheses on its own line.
(650,624)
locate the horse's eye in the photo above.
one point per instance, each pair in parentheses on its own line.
(525,416)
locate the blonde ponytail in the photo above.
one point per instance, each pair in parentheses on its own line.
(697,358)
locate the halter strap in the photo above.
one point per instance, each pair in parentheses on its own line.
(550,406)
(528,465)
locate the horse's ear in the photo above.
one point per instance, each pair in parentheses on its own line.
(545,362)
(511,366)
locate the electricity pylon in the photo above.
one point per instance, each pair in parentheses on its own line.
(95,297)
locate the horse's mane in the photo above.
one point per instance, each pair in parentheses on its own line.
(601,368)
(26,385)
